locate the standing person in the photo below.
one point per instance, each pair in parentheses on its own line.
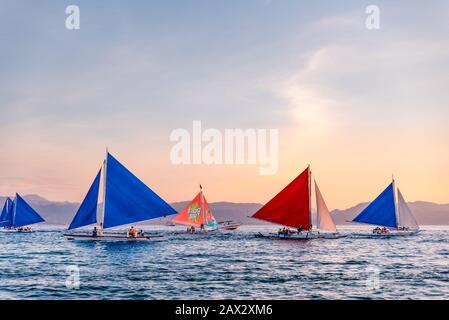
(132,232)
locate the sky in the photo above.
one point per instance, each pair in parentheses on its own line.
(358,105)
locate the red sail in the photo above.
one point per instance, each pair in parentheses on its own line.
(291,206)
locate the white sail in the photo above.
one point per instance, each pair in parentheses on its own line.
(405,216)
(324,219)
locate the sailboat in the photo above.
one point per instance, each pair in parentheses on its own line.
(197,215)
(126,200)
(17,215)
(390,211)
(292,207)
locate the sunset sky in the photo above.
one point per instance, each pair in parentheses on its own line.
(358,105)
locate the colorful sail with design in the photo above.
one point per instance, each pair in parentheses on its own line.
(191,214)
(210,221)
(196,214)
(290,207)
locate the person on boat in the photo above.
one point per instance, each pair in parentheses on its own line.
(132,232)
(141,233)
(202,227)
(299,229)
(95,232)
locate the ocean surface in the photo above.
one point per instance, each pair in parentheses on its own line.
(225,265)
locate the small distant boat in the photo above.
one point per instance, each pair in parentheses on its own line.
(197,216)
(228,225)
(17,215)
(391,212)
(292,207)
(169,224)
(126,200)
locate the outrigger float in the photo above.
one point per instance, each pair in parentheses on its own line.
(197,216)
(292,207)
(17,215)
(390,213)
(126,200)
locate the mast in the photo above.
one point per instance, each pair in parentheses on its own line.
(396,208)
(202,207)
(316,202)
(105,166)
(13,215)
(310,197)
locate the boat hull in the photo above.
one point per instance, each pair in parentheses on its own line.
(230,227)
(295,237)
(16,231)
(391,234)
(88,237)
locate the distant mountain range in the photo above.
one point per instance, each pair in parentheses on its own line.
(61,213)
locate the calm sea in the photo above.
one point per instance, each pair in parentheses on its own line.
(224,265)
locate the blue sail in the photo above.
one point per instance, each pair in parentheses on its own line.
(382,211)
(128,199)
(87,212)
(6,215)
(24,215)
(4,212)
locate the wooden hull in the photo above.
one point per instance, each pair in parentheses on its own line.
(16,231)
(88,237)
(391,234)
(296,237)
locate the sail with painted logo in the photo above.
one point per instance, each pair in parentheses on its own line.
(196,214)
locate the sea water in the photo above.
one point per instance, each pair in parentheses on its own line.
(224,265)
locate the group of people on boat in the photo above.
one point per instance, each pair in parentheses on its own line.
(24,229)
(379,230)
(193,230)
(134,233)
(288,232)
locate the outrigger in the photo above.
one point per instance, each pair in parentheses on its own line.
(126,200)
(197,216)
(292,208)
(390,214)
(17,215)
